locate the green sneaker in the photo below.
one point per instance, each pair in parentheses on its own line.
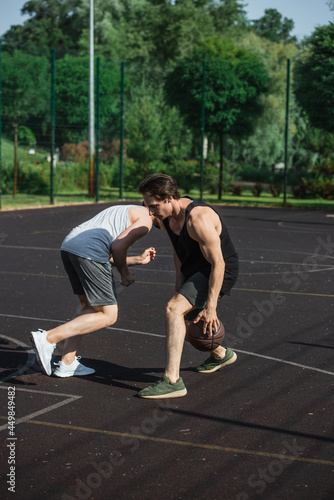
(212,364)
(164,388)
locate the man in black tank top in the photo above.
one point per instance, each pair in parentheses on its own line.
(206,264)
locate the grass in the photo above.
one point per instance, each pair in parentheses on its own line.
(21,200)
(7,153)
(112,195)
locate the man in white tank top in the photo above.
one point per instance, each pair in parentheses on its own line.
(88,253)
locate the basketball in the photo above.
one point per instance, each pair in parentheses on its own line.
(200,341)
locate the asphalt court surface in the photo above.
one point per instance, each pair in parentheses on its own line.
(260,428)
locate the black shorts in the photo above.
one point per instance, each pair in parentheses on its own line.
(90,278)
(195,289)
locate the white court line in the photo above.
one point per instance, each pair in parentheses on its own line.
(277,360)
(296,227)
(31,359)
(263,250)
(305,367)
(170,256)
(70,399)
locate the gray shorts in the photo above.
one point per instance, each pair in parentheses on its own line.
(195,290)
(93,279)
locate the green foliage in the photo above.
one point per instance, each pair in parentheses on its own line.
(25,87)
(265,146)
(73,177)
(72,97)
(229,16)
(32,179)
(245,91)
(305,189)
(314,78)
(26,137)
(155,131)
(255,174)
(186,173)
(326,189)
(53,24)
(212,174)
(7,179)
(234,79)
(144,126)
(273,27)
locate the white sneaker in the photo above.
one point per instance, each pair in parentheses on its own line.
(43,349)
(75,369)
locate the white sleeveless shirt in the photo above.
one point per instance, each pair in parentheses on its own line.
(92,239)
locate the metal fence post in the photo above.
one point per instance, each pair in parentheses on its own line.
(97,154)
(286,136)
(0,130)
(121,146)
(53,126)
(202,131)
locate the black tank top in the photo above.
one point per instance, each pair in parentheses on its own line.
(190,254)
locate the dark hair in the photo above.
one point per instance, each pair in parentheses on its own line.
(161,186)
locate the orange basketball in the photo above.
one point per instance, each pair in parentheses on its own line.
(201,341)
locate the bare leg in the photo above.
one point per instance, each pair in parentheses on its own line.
(90,319)
(63,347)
(177,307)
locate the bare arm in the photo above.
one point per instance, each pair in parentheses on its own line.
(135,260)
(140,225)
(204,227)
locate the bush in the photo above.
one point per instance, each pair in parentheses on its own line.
(132,173)
(7,179)
(71,176)
(326,190)
(187,174)
(237,189)
(26,136)
(257,190)
(211,174)
(77,153)
(30,180)
(276,189)
(305,189)
(255,174)
(34,180)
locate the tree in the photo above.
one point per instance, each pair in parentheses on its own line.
(25,93)
(265,145)
(228,16)
(72,97)
(235,79)
(174,27)
(54,24)
(144,127)
(274,27)
(314,78)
